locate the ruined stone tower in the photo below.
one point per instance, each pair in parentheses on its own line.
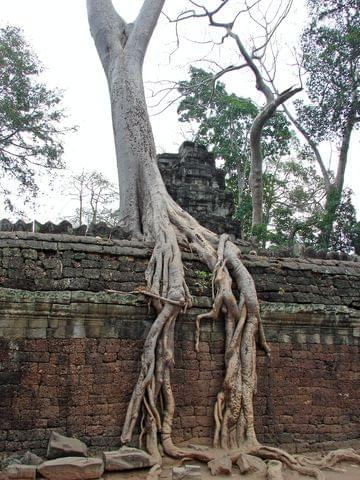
(194,182)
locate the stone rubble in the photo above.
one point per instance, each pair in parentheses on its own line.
(186,472)
(20,472)
(220,466)
(127,458)
(61,446)
(274,470)
(30,458)
(251,464)
(72,468)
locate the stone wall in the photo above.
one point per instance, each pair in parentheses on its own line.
(72,330)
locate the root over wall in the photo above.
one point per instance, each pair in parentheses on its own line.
(70,345)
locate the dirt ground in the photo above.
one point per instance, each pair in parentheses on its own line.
(344,471)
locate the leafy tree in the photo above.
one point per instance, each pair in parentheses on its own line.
(222,120)
(95,196)
(331,57)
(291,188)
(30,117)
(345,234)
(252,55)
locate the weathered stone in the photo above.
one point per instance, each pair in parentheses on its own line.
(61,446)
(72,468)
(221,466)
(3,476)
(251,464)
(127,458)
(5,225)
(30,458)
(186,472)
(274,470)
(197,185)
(21,472)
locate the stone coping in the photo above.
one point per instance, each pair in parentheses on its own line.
(63,242)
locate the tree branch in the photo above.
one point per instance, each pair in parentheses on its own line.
(313,147)
(143,28)
(106,27)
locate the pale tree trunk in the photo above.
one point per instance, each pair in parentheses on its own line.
(333,188)
(122,49)
(273,101)
(148,211)
(255,179)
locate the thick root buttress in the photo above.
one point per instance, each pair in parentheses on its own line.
(152,395)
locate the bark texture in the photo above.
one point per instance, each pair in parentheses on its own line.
(147,211)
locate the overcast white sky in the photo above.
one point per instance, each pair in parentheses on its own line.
(59,34)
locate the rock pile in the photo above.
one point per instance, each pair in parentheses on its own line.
(68,458)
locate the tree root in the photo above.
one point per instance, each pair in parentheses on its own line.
(233,410)
(333,458)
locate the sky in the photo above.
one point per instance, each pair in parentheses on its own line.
(58,32)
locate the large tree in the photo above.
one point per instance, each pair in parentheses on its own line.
(31,127)
(331,66)
(291,189)
(252,57)
(148,212)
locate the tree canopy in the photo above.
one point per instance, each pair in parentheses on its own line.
(292,190)
(31,117)
(331,57)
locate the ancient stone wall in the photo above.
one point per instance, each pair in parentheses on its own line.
(72,328)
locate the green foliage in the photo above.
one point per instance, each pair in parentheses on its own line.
(345,234)
(331,56)
(203,278)
(30,117)
(292,189)
(331,59)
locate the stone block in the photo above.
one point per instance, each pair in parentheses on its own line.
(127,458)
(30,458)
(251,464)
(72,468)
(274,470)
(220,466)
(186,472)
(61,446)
(21,472)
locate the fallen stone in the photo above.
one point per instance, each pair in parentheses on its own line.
(127,458)
(274,470)
(220,466)
(186,472)
(251,464)
(72,468)
(21,472)
(61,446)
(31,459)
